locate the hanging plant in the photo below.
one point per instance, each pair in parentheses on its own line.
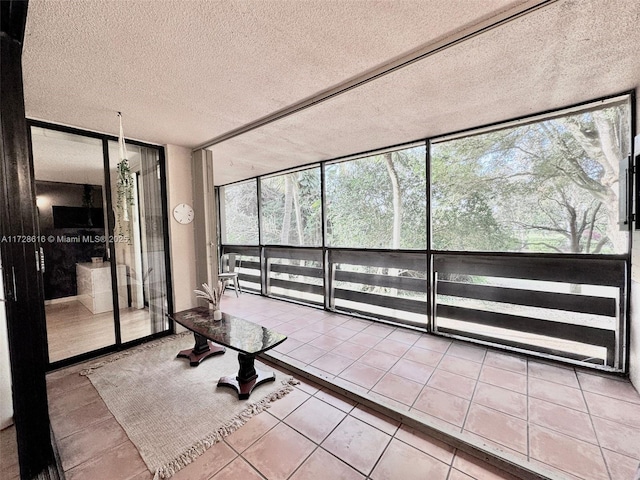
(124,194)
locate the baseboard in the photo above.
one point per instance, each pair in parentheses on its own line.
(55,301)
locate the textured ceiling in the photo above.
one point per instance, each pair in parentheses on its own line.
(186,72)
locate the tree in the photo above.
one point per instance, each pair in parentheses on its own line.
(545,186)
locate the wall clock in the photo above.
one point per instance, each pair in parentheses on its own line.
(183,213)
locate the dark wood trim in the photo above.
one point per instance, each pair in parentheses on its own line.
(521,348)
(566,331)
(294,253)
(531,298)
(408,260)
(22,279)
(396,303)
(313,272)
(594,271)
(297,286)
(411,284)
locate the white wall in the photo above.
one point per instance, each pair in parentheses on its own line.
(181,237)
(6,396)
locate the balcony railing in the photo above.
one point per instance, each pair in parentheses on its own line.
(566,307)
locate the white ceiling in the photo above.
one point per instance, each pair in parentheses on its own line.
(186,72)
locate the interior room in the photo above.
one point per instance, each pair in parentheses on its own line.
(425,214)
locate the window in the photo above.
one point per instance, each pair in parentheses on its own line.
(378,201)
(239,213)
(292,209)
(549,186)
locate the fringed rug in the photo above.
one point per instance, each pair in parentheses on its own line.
(173,412)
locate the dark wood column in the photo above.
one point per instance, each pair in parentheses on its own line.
(24,298)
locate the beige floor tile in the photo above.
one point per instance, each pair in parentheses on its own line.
(365,339)
(504,378)
(288,403)
(405,336)
(350,350)
(307,353)
(379,330)
(90,442)
(315,419)
(443,405)
(332,363)
(614,436)
(251,431)
(377,359)
(620,411)
(426,443)
(239,469)
(321,465)
(415,371)
(506,361)
(466,368)
(498,427)
(393,347)
(82,417)
(339,401)
(452,383)
(620,466)
(325,342)
(357,444)
(553,373)
(398,388)
(478,469)
(432,342)
(207,464)
(403,461)
(556,393)
(364,375)
(356,324)
(376,419)
(423,356)
(278,453)
(619,388)
(468,352)
(121,462)
(341,333)
(501,399)
(562,419)
(567,453)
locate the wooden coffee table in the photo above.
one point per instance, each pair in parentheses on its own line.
(247,338)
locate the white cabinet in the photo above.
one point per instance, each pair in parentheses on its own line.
(94,286)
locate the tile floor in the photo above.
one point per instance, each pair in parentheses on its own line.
(574,421)
(311,433)
(581,423)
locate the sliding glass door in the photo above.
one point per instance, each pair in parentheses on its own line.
(139,240)
(103,240)
(75,263)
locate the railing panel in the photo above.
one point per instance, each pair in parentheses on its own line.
(249,271)
(380,284)
(295,274)
(569,307)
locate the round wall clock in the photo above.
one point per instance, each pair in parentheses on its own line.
(183,213)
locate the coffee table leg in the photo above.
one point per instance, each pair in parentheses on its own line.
(202,349)
(248,377)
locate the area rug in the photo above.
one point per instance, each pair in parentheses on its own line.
(173,412)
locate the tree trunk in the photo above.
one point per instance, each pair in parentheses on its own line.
(397,212)
(286,216)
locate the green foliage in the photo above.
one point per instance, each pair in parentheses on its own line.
(549,186)
(240,210)
(360,209)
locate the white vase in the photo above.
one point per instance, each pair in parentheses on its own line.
(217,314)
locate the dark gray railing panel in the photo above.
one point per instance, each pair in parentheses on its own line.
(592,271)
(382,259)
(532,298)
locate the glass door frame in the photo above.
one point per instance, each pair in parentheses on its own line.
(109,231)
